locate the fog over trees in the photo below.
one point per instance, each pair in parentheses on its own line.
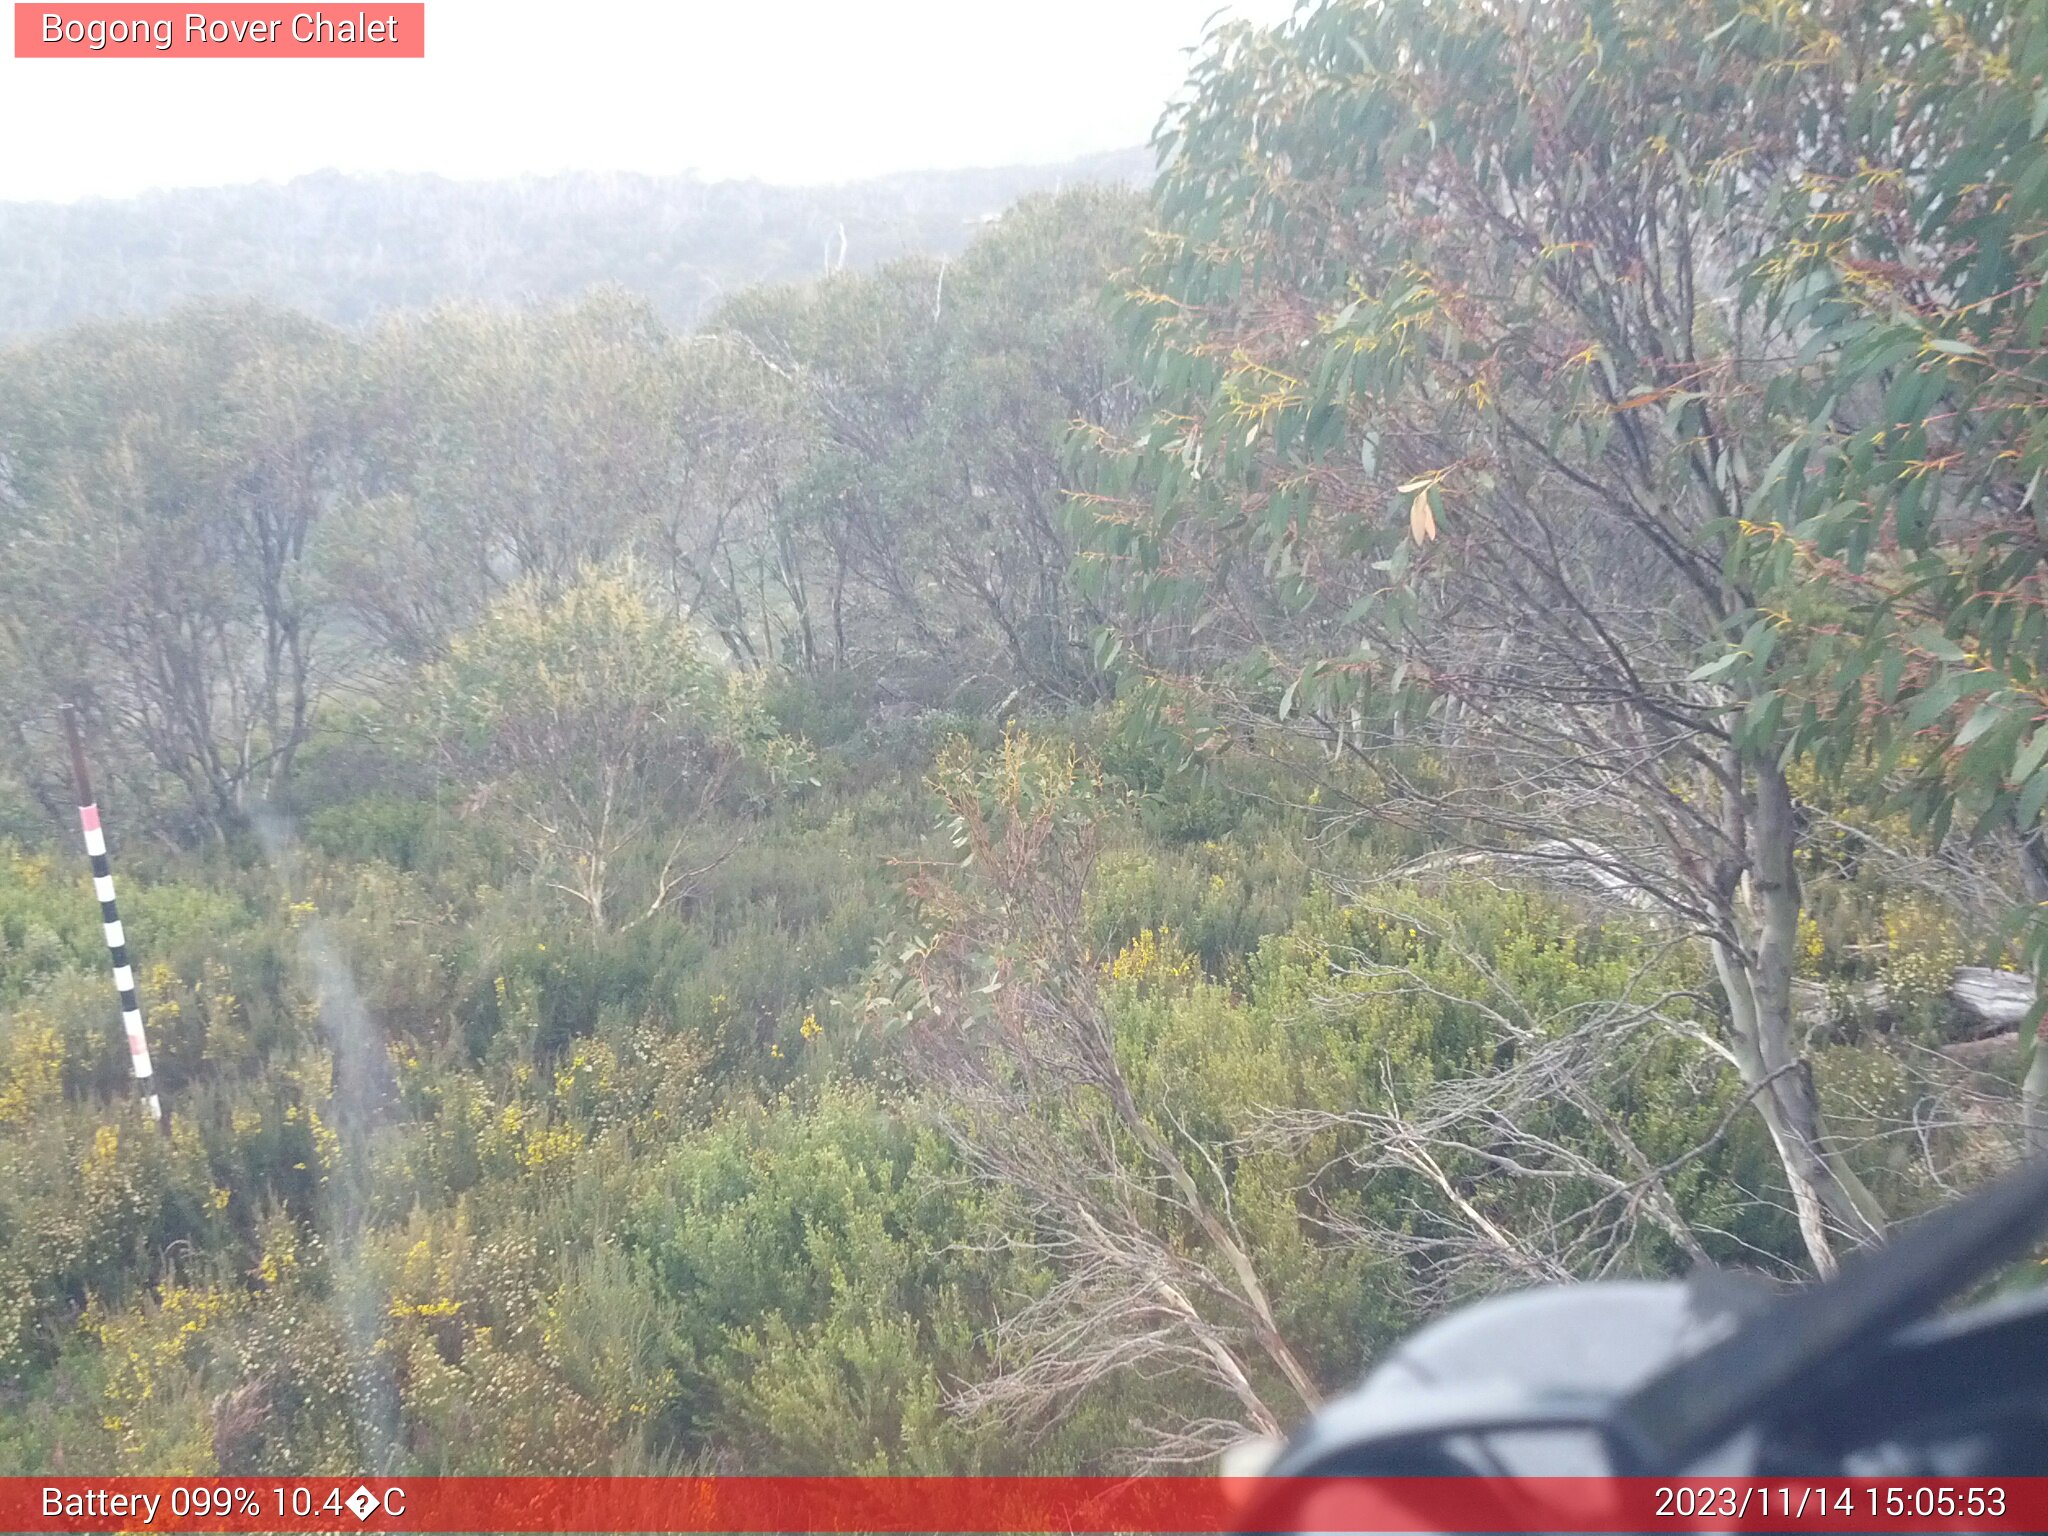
(346,248)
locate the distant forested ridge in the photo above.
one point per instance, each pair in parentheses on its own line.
(347,248)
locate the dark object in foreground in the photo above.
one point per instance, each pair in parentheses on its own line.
(1718,1377)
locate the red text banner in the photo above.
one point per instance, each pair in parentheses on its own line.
(228,31)
(997,1504)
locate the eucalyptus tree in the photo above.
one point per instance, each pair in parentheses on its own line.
(502,446)
(727,547)
(166,481)
(1902,517)
(918,518)
(598,734)
(1460,411)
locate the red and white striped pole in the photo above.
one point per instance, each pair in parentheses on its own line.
(117,940)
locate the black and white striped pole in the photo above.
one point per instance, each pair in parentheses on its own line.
(117,940)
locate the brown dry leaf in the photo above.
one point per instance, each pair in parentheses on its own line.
(1421,521)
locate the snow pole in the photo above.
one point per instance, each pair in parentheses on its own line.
(110,919)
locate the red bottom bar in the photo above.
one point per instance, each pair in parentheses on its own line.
(1021,1504)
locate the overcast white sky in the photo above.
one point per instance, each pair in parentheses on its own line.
(790,92)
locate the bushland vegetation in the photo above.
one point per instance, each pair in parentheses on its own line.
(1017,863)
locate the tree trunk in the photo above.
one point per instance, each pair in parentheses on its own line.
(1754,960)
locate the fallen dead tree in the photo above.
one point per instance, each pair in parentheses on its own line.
(1986,1004)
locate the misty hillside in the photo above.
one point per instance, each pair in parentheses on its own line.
(344,248)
